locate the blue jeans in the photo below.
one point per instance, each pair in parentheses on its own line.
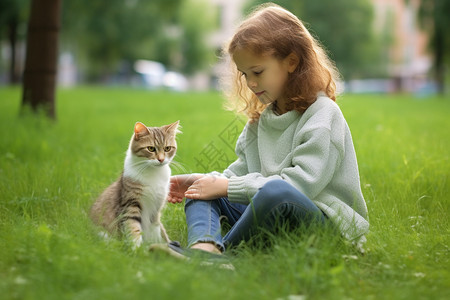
(276,204)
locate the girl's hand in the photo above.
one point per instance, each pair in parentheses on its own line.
(208,188)
(179,185)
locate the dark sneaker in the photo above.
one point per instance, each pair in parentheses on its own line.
(206,258)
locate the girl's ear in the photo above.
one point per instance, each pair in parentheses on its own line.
(292,62)
(140,130)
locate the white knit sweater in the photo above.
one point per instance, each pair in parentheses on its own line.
(312,151)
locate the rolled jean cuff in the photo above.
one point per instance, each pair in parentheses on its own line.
(211,240)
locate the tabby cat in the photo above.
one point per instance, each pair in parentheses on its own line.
(132,205)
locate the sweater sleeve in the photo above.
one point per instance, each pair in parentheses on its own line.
(239,166)
(314,161)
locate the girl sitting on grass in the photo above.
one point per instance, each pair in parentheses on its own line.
(296,161)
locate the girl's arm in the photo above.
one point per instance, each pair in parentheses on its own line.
(313,165)
(179,184)
(239,167)
(208,187)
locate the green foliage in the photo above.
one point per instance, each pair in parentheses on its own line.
(13,17)
(12,11)
(433,16)
(106,35)
(51,172)
(192,41)
(345,29)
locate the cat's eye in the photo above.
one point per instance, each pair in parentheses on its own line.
(151,149)
(167,148)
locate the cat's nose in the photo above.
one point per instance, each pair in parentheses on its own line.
(160,159)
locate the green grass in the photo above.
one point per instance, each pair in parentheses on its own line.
(51,172)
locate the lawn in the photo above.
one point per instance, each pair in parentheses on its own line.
(51,172)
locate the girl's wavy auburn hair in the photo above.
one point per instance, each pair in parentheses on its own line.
(272,30)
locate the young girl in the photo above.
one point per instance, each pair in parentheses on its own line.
(296,161)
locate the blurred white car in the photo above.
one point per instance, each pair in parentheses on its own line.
(155,76)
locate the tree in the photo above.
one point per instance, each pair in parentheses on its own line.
(168,31)
(12,14)
(434,17)
(196,54)
(41,56)
(344,28)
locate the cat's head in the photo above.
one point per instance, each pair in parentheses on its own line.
(155,144)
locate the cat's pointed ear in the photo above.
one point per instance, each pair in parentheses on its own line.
(140,130)
(174,127)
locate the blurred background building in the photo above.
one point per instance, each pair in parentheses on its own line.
(406,49)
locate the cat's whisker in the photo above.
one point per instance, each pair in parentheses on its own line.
(142,168)
(137,163)
(179,167)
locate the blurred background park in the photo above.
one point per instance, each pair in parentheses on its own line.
(379,46)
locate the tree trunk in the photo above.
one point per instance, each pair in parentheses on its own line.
(39,78)
(12,36)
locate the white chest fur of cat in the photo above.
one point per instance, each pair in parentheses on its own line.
(132,205)
(153,197)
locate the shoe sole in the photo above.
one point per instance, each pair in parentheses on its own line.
(164,248)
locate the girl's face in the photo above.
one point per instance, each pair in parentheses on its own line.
(266,76)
